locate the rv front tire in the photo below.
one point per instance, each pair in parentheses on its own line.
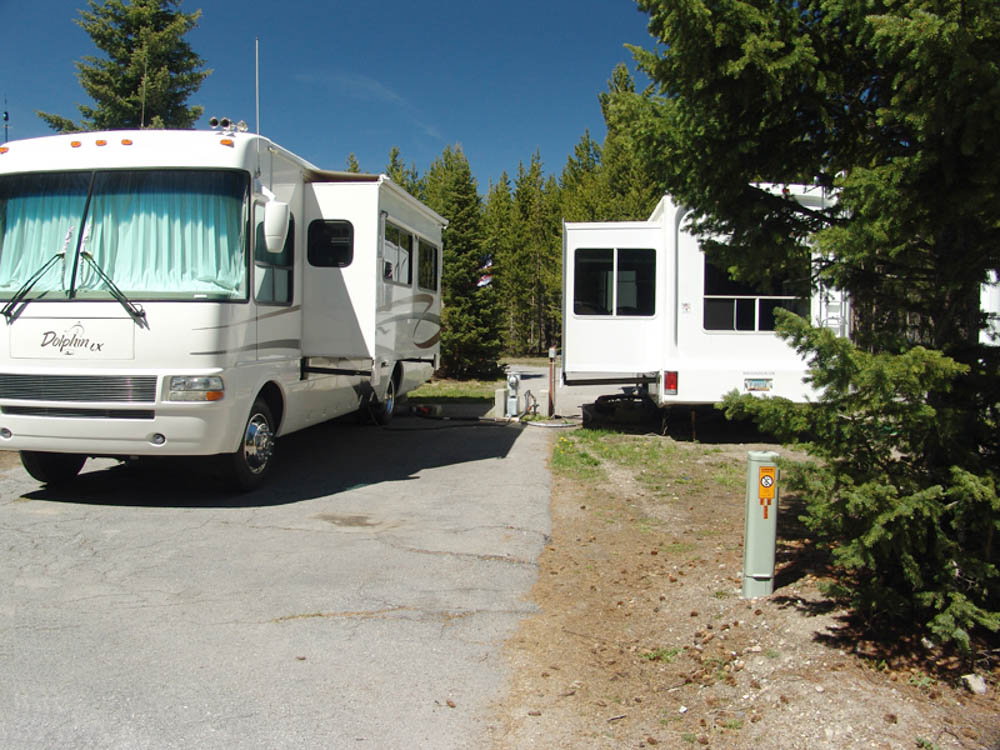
(252,461)
(52,468)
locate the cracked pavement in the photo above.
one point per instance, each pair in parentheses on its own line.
(361,599)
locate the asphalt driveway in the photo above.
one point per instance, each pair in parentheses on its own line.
(361,599)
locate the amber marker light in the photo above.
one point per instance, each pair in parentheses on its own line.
(75,144)
(227,142)
(102,143)
(126,141)
(4,149)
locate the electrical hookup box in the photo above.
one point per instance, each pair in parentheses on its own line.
(761,527)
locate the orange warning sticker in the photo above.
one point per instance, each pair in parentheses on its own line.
(768,479)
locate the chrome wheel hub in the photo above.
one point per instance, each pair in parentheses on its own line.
(258,443)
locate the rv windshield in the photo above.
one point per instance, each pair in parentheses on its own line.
(158,233)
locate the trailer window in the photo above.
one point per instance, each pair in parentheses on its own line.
(614,281)
(732,305)
(427,266)
(636,287)
(396,253)
(273,272)
(331,243)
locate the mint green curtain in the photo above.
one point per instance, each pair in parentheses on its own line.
(156,233)
(40,217)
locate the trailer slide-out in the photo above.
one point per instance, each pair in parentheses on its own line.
(642,306)
(191,293)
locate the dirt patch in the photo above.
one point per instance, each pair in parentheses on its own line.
(643,639)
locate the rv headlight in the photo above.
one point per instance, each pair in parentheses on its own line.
(195,388)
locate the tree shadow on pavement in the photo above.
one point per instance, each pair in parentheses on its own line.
(322,460)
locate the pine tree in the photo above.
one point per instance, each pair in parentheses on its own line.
(892,106)
(612,181)
(585,195)
(470,330)
(535,270)
(628,183)
(351,165)
(407,178)
(149,71)
(500,250)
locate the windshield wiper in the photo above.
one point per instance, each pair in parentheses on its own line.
(9,309)
(135,311)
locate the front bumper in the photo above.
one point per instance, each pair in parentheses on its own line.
(168,429)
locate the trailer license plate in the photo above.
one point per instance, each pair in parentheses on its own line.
(757,384)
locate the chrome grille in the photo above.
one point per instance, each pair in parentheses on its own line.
(67,412)
(124,389)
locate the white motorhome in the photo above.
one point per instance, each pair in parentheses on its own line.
(642,306)
(175,293)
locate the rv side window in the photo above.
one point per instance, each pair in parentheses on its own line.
(427,266)
(397,251)
(331,243)
(614,281)
(273,272)
(732,305)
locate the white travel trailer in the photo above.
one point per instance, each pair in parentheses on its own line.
(641,306)
(175,293)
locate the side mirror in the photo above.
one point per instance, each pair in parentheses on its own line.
(275,225)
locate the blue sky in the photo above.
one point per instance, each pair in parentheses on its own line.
(501,79)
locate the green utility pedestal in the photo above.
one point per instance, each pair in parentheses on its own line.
(761,529)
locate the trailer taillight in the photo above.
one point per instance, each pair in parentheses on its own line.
(670,384)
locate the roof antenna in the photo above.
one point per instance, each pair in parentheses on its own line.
(256,73)
(256,87)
